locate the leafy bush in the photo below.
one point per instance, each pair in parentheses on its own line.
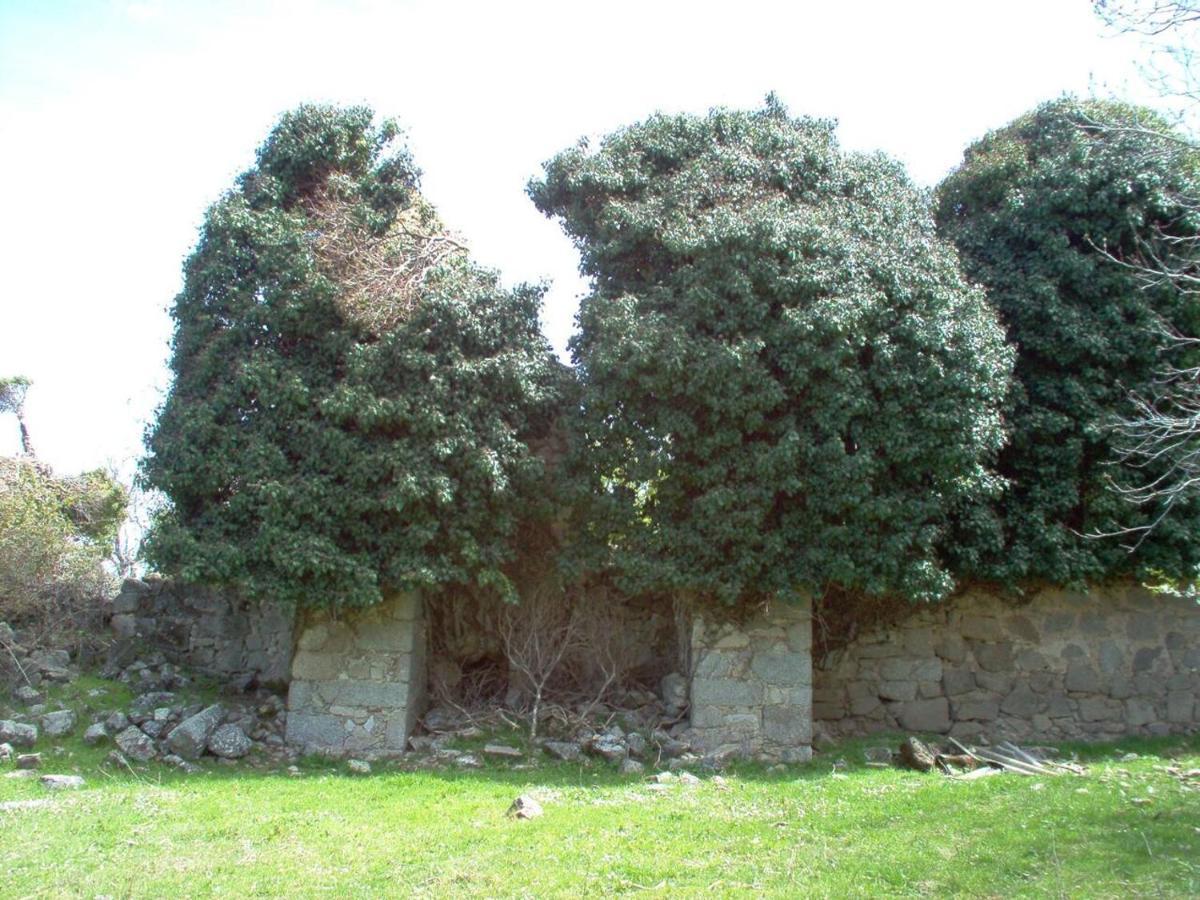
(55,536)
(1051,214)
(339,429)
(788,383)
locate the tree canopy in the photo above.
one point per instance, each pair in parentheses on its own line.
(1053,215)
(353,398)
(787,382)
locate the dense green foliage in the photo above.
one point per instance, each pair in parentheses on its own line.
(310,455)
(55,536)
(1049,214)
(788,384)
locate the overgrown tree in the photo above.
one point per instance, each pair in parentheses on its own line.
(353,399)
(1053,215)
(788,384)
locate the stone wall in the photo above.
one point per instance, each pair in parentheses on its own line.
(1062,665)
(751,686)
(358,680)
(205,630)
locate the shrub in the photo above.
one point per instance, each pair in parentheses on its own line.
(1049,214)
(788,384)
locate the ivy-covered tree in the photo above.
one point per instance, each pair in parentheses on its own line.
(788,384)
(1053,215)
(353,399)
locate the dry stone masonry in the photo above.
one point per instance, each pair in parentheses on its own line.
(208,631)
(751,689)
(1116,661)
(358,680)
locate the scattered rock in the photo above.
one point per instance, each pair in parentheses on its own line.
(502,750)
(878,755)
(182,764)
(637,745)
(27,695)
(567,751)
(665,778)
(674,689)
(688,778)
(525,807)
(62,782)
(29,761)
(21,773)
(145,704)
(468,761)
(427,743)
(116,722)
(359,766)
(229,742)
(95,734)
(294,772)
(59,724)
(441,718)
(610,748)
(153,728)
(631,767)
(189,738)
(6,751)
(117,759)
(915,755)
(136,744)
(18,733)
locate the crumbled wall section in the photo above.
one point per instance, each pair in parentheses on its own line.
(358,680)
(208,631)
(1119,660)
(751,687)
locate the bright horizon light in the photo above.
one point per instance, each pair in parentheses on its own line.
(122,121)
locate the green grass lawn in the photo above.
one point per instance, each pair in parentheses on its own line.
(807,831)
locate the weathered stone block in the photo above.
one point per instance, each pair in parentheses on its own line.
(782,668)
(978,706)
(996,657)
(898,690)
(786,725)
(1111,658)
(366,694)
(958,681)
(981,628)
(1023,702)
(1022,628)
(1000,682)
(1144,659)
(1181,707)
(1082,678)
(318,666)
(924,715)
(952,648)
(725,692)
(1139,712)
(1100,709)
(316,731)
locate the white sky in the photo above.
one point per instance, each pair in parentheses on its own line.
(121,121)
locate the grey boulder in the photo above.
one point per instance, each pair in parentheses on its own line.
(59,723)
(135,744)
(62,782)
(18,733)
(189,738)
(229,742)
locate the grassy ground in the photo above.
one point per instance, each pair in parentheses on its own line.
(1127,828)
